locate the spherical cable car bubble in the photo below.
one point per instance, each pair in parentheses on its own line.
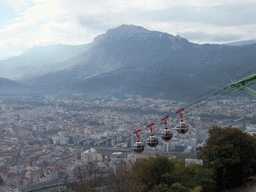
(152,141)
(138,147)
(182,127)
(166,133)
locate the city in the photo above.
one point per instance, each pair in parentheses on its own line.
(44,139)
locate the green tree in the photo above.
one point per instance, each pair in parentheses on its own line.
(177,187)
(231,154)
(150,172)
(179,174)
(161,188)
(122,180)
(155,174)
(161,174)
(190,177)
(200,176)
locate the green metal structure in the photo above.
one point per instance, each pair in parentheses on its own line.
(243,84)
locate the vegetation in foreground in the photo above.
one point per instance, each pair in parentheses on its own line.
(231,154)
(229,157)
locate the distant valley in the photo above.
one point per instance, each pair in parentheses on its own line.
(39,60)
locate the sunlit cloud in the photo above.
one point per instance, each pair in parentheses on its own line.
(43,22)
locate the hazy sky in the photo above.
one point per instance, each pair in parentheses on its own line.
(24,23)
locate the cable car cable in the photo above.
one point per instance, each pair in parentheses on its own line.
(217,92)
(218,87)
(212,96)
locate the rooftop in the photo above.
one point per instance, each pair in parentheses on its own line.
(91,150)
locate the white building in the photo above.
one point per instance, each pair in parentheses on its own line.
(63,140)
(196,161)
(56,139)
(91,155)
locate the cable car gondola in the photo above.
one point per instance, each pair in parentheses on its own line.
(138,147)
(166,133)
(182,127)
(152,141)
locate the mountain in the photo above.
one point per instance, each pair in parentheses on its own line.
(178,76)
(242,43)
(117,48)
(8,84)
(39,60)
(131,59)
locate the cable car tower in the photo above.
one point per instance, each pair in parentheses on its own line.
(243,84)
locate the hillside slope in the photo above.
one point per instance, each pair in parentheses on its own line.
(131,59)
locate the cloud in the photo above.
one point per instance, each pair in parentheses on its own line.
(12,47)
(41,12)
(7,13)
(228,37)
(63,32)
(201,36)
(42,22)
(92,23)
(117,6)
(220,15)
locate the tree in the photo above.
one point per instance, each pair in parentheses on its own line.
(155,174)
(162,174)
(231,154)
(150,172)
(192,177)
(123,181)
(83,177)
(200,176)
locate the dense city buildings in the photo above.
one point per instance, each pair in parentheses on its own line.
(45,139)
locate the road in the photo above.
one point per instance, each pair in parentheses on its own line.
(43,185)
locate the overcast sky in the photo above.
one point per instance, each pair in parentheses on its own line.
(24,23)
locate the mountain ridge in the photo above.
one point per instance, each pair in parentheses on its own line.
(131,59)
(9,84)
(39,60)
(109,52)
